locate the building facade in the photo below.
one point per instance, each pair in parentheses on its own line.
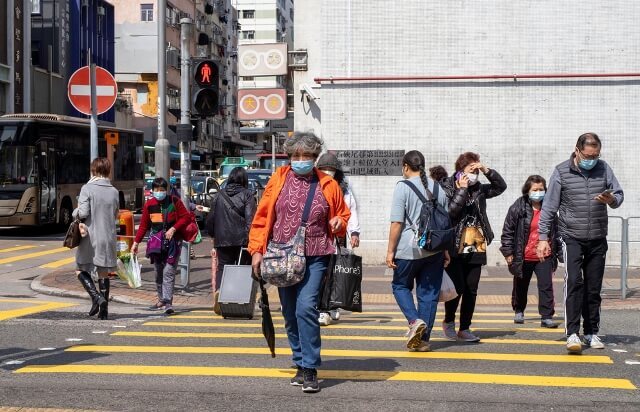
(518,126)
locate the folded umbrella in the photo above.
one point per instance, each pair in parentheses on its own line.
(267,322)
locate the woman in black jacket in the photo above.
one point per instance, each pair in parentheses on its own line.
(229,222)
(519,242)
(468,211)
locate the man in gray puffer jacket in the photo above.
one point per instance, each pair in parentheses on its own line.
(580,189)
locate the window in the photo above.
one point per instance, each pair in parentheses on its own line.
(248,34)
(35,6)
(248,14)
(248,78)
(146,12)
(142,94)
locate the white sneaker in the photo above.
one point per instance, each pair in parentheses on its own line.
(422,347)
(335,314)
(467,336)
(449,329)
(593,341)
(324,319)
(414,335)
(574,344)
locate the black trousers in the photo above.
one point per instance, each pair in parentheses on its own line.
(584,265)
(544,274)
(465,277)
(228,255)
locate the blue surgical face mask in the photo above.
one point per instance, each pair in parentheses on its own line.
(537,196)
(173,180)
(159,196)
(302,167)
(588,164)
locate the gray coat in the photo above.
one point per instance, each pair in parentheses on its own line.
(98,207)
(571,194)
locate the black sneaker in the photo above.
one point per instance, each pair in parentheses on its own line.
(310,383)
(298,380)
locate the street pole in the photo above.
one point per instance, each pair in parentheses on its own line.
(184,137)
(273,153)
(162,144)
(94,103)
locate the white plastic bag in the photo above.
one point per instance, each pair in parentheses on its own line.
(129,270)
(448,289)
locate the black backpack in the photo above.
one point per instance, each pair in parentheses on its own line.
(435,231)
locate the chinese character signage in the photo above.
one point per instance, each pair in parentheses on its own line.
(371,162)
(18,19)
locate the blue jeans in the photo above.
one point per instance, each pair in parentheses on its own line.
(427,275)
(300,311)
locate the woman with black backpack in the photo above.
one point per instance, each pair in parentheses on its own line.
(229,222)
(468,210)
(412,265)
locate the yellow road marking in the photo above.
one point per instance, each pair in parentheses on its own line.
(517,380)
(16,248)
(58,263)
(30,310)
(349,319)
(336,326)
(509,357)
(188,335)
(33,255)
(397,313)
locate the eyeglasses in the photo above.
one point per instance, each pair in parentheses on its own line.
(592,157)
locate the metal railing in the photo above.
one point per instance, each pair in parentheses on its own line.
(624,242)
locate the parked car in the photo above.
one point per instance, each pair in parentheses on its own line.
(261,175)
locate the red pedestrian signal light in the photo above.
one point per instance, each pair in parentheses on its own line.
(206,73)
(205,90)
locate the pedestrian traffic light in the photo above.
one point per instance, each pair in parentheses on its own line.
(205,93)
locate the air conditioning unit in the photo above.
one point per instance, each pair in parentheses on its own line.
(298,59)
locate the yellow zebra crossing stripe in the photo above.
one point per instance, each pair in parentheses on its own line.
(33,255)
(388,313)
(16,248)
(450,377)
(334,326)
(58,263)
(205,335)
(36,307)
(221,350)
(350,320)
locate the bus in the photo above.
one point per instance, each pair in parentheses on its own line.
(228,164)
(45,159)
(266,159)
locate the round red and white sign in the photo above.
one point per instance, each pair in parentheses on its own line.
(79,90)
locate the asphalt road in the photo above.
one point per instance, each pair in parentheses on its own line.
(52,356)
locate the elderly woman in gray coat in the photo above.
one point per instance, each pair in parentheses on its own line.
(97,210)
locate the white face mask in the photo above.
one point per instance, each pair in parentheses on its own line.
(473,178)
(331,173)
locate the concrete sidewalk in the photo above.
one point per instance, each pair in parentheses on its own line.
(495,286)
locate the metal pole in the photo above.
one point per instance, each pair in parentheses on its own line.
(273,153)
(26,58)
(624,261)
(94,115)
(184,136)
(162,144)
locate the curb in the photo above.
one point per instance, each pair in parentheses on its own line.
(37,286)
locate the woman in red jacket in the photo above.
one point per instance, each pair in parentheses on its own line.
(165,217)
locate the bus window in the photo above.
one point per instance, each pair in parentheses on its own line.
(16,165)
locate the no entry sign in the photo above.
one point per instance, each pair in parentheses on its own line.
(79,90)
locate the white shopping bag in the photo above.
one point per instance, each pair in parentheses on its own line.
(134,272)
(448,289)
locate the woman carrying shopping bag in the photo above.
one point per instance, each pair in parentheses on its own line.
(412,265)
(97,210)
(228,225)
(519,242)
(329,164)
(303,207)
(164,217)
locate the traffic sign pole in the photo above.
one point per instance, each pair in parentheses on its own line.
(94,111)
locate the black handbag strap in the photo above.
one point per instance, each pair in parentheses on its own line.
(310,195)
(228,200)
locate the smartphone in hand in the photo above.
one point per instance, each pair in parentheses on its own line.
(606,192)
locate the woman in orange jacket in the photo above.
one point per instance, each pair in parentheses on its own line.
(277,219)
